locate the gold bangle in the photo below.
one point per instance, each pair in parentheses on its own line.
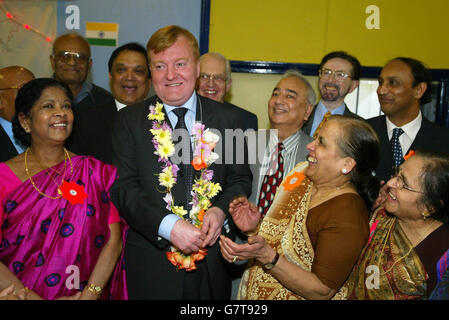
(95,289)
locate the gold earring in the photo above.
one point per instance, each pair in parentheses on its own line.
(425,214)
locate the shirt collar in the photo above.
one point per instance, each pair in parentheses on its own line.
(119,105)
(410,129)
(84,92)
(322,110)
(289,143)
(189,104)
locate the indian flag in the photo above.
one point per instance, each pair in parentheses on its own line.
(102,33)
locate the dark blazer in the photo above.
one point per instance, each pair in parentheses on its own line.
(307,127)
(7,148)
(430,137)
(92,131)
(149,274)
(249,119)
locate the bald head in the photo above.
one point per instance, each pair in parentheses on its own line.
(215,79)
(11,80)
(71,60)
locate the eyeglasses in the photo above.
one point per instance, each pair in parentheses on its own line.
(218,77)
(400,183)
(339,75)
(66,56)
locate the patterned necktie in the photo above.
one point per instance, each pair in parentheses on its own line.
(186,167)
(396,146)
(272,180)
(326,116)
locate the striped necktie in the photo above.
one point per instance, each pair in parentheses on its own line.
(272,179)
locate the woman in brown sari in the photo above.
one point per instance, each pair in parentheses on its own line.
(408,250)
(313,233)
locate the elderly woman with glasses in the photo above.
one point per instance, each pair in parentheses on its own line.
(407,254)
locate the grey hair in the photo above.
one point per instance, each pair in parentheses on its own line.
(311,95)
(226,61)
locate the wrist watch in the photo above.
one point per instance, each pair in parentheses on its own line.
(271,264)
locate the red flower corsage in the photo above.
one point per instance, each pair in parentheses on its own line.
(72,192)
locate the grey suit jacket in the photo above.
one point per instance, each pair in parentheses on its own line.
(301,155)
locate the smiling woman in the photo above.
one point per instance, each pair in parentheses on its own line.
(45,193)
(408,251)
(310,238)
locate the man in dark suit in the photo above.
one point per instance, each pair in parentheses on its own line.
(129,80)
(339,75)
(215,82)
(71,63)
(11,80)
(174,63)
(404,84)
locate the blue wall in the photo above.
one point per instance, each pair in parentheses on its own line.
(138,20)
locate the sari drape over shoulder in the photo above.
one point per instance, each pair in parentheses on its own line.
(390,268)
(284,228)
(53,246)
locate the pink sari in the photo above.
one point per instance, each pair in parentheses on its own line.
(53,246)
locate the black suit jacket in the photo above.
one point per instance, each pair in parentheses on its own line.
(7,148)
(430,137)
(307,127)
(248,119)
(92,131)
(135,194)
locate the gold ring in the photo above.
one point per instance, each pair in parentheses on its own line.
(235,258)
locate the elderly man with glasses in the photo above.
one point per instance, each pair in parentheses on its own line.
(11,80)
(215,82)
(339,75)
(71,63)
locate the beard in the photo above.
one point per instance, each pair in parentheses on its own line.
(331,95)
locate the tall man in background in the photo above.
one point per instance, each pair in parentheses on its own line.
(71,62)
(129,80)
(404,85)
(339,75)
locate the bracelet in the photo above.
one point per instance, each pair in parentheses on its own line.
(95,289)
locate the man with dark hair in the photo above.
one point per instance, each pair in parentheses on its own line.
(404,84)
(11,80)
(71,63)
(156,224)
(129,80)
(339,75)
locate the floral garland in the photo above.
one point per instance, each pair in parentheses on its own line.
(203,189)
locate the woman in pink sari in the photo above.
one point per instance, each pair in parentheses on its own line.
(61,236)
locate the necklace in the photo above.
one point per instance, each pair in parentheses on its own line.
(421,238)
(66,155)
(327,193)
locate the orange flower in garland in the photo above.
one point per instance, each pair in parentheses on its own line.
(409,154)
(72,192)
(186,262)
(293,181)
